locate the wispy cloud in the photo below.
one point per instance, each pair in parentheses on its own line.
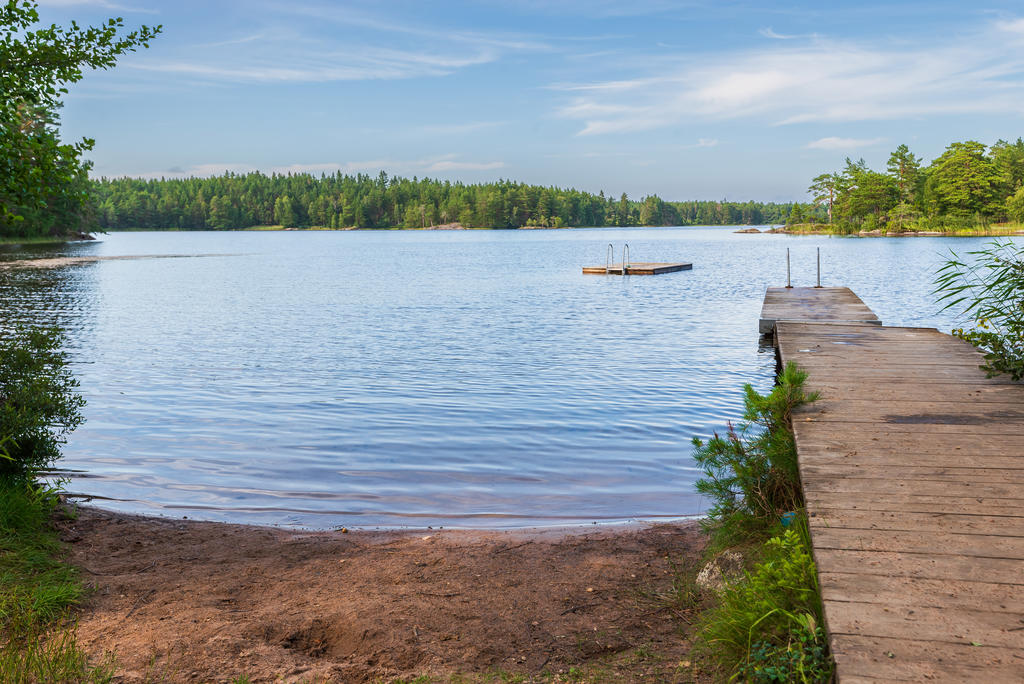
(767,32)
(349,16)
(836,143)
(610,9)
(465,166)
(97,3)
(825,80)
(318,43)
(461,128)
(1011,26)
(356,65)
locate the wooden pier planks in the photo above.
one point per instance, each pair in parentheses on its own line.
(912,463)
(638,268)
(825,304)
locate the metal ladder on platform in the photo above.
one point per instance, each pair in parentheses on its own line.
(609,257)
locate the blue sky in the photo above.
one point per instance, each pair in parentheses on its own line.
(685,99)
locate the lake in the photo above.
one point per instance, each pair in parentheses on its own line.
(422,378)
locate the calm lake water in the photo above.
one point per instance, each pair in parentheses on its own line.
(410,378)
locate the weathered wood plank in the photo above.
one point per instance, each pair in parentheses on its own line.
(917,486)
(868,438)
(974,545)
(961,626)
(1010,525)
(830,455)
(907,659)
(913,592)
(911,503)
(998,393)
(937,566)
(913,471)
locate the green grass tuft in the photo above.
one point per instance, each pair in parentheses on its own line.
(37,591)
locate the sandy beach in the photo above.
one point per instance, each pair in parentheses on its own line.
(179,600)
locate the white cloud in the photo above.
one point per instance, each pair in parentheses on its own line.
(835,143)
(1011,26)
(354,65)
(99,3)
(465,166)
(767,32)
(820,81)
(707,142)
(298,43)
(460,128)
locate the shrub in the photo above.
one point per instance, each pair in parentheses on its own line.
(991,291)
(766,626)
(38,402)
(751,473)
(1015,206)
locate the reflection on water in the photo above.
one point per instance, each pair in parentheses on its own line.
(469,378)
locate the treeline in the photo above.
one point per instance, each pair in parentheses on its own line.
(234,201)
(969,185)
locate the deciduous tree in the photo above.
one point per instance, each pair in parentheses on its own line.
(43,181)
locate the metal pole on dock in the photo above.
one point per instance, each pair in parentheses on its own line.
(789,285)
(819,268)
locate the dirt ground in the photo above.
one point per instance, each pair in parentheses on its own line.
(178,600)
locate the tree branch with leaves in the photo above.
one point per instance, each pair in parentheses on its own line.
(44,187)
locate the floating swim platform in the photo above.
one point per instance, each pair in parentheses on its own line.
(637,268)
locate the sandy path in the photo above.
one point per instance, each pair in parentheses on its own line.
(191,601)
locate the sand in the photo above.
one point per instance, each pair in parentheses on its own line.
(180,600)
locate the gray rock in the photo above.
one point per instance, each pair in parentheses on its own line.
(722,570)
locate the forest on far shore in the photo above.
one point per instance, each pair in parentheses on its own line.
(234,201)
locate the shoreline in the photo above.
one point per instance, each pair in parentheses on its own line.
(960,232)
(208,601)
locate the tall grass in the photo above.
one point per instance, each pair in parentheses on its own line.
(767,626)
(37,592)
(989,288)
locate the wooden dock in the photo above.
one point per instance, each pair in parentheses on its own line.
(637,268)
(912,464)
(824,304)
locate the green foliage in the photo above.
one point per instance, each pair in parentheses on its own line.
(803,658)
(51,656)
(962,181)
(44,187)
(36,586)
(905,170)
(363,201)
(751,473)
(38,402)
(823,188)
(1015,206)
(990,289)
(766,626)
(36,591)
(967,186)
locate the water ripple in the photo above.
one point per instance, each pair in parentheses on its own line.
(424,378)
